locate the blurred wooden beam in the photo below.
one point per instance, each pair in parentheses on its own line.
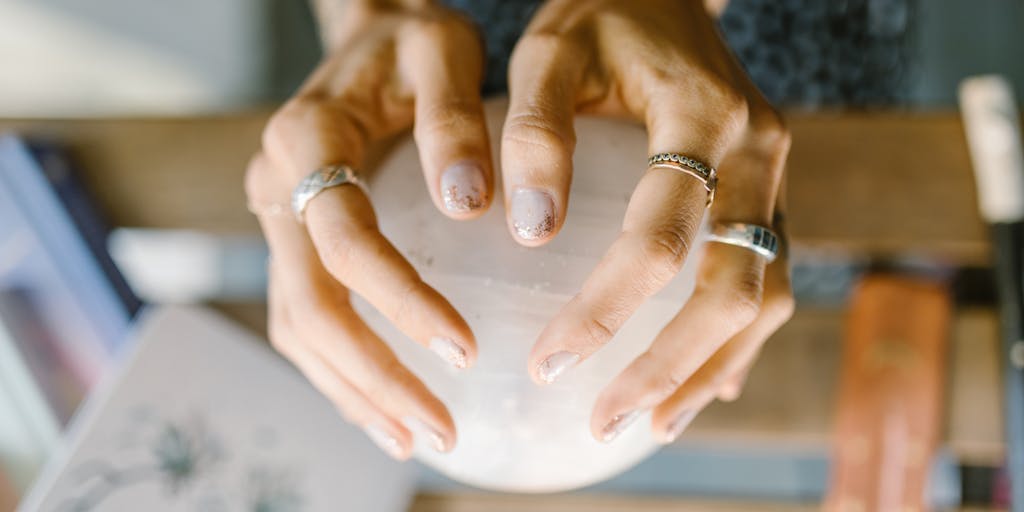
(876,183)
(469,502)
(881,184)
(885,184)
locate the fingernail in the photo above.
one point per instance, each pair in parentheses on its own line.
(463,188)
(678,425)
(618,425)
(449,351)
(533,213)
(436,439)
(557,363)
(385,441)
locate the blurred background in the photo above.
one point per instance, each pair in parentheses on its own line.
(129,122)
(125,57)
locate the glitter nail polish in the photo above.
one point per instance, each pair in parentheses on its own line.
(618,425)
(556,364)
(533,213)
(463,188)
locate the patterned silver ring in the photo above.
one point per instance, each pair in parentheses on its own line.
(703,172)
(759,239)
(319,180)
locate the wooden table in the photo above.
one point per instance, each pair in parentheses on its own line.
(878,185)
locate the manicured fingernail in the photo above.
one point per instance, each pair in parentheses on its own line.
(549,369)
(385,441)
(678,425)
(463,188)
(533,213)
(618,425)
(435,437)
(449,351)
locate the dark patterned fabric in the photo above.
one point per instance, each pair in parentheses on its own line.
(799,52)
(501,22)
(814,52)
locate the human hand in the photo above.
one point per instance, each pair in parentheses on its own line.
(661,62)
(387,67)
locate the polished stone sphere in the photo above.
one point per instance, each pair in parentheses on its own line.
(514,435)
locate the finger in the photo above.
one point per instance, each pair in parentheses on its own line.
(731,363)
(309,132)
(450,130)
(349,346)
(538,138)
(779,304)
(660,224)
(388,433)
(344,231)
(728,297)
(342,225)
(324,321)
(732,387)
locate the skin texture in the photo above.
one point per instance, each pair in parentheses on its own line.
(662,63)
(394,66)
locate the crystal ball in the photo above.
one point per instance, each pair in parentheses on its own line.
(514,435)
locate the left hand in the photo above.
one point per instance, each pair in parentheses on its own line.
(662,62)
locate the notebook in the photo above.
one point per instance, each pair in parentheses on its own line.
(202,416)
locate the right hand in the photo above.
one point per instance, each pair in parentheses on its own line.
(386,68)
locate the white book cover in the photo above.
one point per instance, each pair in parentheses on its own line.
(204,417)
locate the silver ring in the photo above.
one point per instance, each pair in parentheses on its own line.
(705,173)
(319,180)
(759,239)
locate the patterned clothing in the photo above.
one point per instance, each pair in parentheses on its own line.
(799,52)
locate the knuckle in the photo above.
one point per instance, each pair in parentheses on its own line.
(781,307)
(405,302)
(741,305)
(278,340)
(282,124)
(771,132)
(670,381)
(665,384)
(721,99)
(541,44)
(455,114)
(597,331)
(432,29)
(664,253)
(733,107)
(729,392)
(535,128)
(256,179)
(308,116)
(664,380)
(664,250)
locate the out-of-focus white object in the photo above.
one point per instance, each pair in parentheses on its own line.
(992,122)
(203,416)
(512,434)
(181,266)
(105,57)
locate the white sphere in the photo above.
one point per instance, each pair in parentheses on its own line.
(514,435)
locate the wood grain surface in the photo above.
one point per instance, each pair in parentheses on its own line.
(880,183)
(588,503)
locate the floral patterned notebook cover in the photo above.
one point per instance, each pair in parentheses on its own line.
(204,417)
